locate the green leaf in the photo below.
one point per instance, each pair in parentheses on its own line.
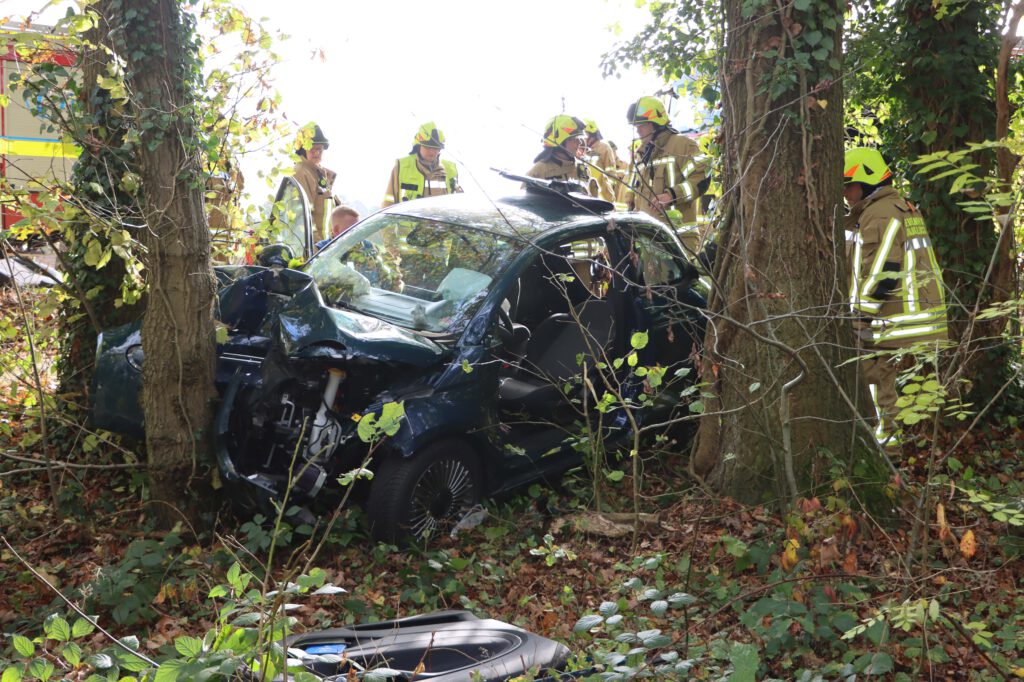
(232,576)
(188,646)
(587,622)
(41,668)
(81,628)
(881,663)
(93,253)
(608,608)
(745,662)
(24,646)
(680,599)
(11,674)
(615,475)
(57,628)
(659,607)
(168,671)
(72,653)
(638,341)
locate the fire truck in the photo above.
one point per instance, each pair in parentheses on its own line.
(31,157)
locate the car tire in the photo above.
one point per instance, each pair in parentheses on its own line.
(421,496)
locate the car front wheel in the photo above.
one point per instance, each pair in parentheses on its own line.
(424,495)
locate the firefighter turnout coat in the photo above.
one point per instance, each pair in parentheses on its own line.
(896,288)
(669,163)
(411,179)
(317,182)
(606,162)
(570,170)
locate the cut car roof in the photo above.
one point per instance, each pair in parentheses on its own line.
(522,215)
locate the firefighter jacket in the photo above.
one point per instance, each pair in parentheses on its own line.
(317,182)
(896,289)
(669,163)
(411,179)
(606,169)
(558,168)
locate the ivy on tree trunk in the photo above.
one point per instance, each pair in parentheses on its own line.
(779,396)
(178,336)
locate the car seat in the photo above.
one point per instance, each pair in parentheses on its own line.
(551,355)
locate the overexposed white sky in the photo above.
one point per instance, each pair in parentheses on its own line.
(490,74)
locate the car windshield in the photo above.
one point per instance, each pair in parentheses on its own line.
(417,273)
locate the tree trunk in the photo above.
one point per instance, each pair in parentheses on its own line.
(779,396)
(178,327)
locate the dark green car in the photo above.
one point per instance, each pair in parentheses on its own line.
(479,317)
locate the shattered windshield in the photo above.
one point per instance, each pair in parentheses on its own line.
(417,273)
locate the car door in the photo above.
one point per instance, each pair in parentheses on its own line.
(657,279)
(292,220)
(576,317)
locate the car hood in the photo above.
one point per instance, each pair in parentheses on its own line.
(306,323)
(307,327)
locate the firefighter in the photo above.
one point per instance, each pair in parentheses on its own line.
(603,158)
(559,160)
(668,174)
(422,173)
(315,180)
(896,291)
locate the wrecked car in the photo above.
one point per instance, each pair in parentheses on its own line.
(477,316)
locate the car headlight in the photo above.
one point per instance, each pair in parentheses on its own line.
(134,356)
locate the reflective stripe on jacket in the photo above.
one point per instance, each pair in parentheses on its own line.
(895,279)
(669,163)
(410,180)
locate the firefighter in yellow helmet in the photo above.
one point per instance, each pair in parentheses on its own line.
(423,173)
(559,160)
(315,180)
(896,291)
(668,173)
(604,162)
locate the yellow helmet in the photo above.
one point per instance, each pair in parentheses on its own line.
(647,110)
(429,135)
(561,128)
(864,164)
(309,135)
(590,126)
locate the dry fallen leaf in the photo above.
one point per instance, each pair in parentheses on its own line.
(968,545)
(940,518)
(789,557)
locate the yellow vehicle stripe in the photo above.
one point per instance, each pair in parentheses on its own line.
(37,147)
